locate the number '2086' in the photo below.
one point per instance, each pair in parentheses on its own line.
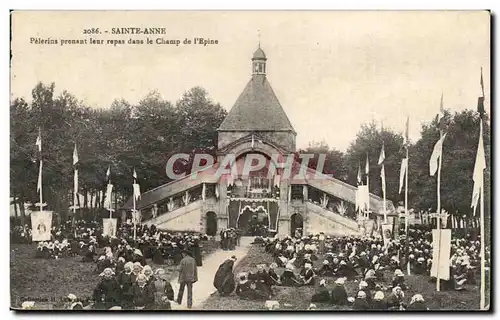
(91,31)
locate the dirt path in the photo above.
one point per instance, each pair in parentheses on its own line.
(204,287)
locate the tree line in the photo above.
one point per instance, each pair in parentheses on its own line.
(125,136)
(122,137)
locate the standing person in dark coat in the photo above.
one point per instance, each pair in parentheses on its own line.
(224,277)
(106,294)
(125,281)
(163,289)
(196,249)
(188,274)
(223,239)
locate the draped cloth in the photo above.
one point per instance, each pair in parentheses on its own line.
(224,278)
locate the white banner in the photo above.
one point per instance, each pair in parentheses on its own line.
(107,200)
(137,216)
(109,227)
(363,198)
(441,249)
(41,224)
(386,233)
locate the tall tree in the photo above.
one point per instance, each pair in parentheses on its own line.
(459,154)
(334,163)
(369,141)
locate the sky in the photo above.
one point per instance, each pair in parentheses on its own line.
(332,71)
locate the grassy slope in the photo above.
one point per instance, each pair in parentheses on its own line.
(299,298)
(48,282)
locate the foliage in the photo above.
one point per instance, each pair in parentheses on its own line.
(369,142)
(123,137)
(459,154)
(333,159)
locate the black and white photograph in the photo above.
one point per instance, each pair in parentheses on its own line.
(271,161)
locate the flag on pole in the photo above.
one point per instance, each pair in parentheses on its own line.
(479,167)
(406,135)
(75,185)
(358,199)
(39,184)
(137,191)
(109,191)
(39,140)
(436,154)
(482,83)
(75,156)
(442,125)
(382,176)
(359,174)
(382,156)
(367,167)
(402,172)
(480,100)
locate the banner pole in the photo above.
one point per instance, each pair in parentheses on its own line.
(438,215)
(407,216)
(134,217)
(483,258)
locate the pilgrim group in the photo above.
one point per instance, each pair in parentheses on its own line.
(127,281)
(375,269)
(87,238)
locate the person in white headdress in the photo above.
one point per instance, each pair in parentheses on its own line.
(27,305)
(417,303)
(379,302)
(398,279)
(143,294)
(360,303)
(339,293)
(288,278)
(322,294)
(163,291)
(125,280)
(308,276)
(74,303)
(107,292)
(395,299)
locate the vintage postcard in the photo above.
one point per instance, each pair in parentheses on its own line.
(250,160)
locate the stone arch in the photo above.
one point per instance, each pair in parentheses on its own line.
(259,145)
(211,223)
(296,221)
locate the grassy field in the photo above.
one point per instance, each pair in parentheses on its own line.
(48,282)
(299,298)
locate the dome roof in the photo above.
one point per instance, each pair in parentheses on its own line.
(259,54)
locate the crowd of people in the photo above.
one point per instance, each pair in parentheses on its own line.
(86,238)
(229,238)
(377,269)
(127,280)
